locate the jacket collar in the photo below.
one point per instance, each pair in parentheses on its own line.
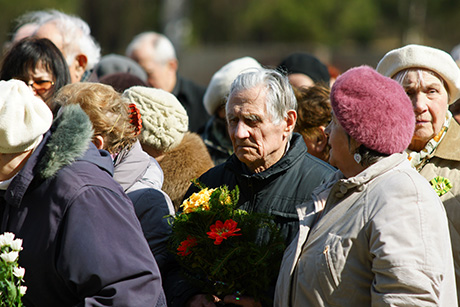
(131,165)
(297,149)
(339,188)
(448,149)
(384,165)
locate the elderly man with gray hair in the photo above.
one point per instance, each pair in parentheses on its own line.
(73,37)
(270,164)
(431,78)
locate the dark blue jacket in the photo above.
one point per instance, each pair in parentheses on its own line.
(83,245)
(277,190)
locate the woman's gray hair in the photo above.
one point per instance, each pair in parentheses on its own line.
(401,76)
(279,93)
(368,156)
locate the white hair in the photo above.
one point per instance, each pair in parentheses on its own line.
(162,47)
(280,96)
(76,36)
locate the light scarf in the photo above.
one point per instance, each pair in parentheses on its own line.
(419,158)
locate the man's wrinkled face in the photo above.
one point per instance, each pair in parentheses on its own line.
(257,141)
(430,101)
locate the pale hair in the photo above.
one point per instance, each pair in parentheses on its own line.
(32,19)
(163,49)
(76,37)
(280,96)
(107,110)
(401,76)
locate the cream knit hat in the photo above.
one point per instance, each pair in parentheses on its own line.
(164,119)
(417,56)
(24,118)
(219,86)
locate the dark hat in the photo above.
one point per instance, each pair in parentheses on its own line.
(307,64)
(114,63)
(121,81)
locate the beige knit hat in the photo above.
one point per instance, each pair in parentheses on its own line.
(418,56)
(219,86)
(164,119)
(24,118)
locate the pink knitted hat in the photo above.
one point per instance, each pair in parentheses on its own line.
(373,109)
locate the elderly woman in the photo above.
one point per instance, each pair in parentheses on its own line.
(139,175)
(376,234)
(431,78)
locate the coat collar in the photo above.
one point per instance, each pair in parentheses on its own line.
(297,149)
(131,165)
(340,188)
(448,149)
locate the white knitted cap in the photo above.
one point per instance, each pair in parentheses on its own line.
(164,119)
(417,56)
(219,86)
(24,118)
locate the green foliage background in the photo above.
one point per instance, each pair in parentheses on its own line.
(330,22)
(347,32)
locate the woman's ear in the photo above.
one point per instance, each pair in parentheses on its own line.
(98,140)
(321,141)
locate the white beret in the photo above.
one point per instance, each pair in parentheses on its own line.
(417,56)
(164,119)
(24,118)
(219,86)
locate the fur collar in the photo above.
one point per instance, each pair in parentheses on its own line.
(72,132)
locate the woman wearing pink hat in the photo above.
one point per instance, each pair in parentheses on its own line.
(377,233)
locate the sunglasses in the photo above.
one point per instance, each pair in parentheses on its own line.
(40,86)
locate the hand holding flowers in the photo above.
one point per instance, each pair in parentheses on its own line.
(225,250)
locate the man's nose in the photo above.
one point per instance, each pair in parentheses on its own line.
(241,130)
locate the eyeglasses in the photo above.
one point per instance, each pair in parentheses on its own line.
(40,86)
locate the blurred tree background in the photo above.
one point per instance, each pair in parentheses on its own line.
(209,33)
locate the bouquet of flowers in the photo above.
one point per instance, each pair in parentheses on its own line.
(11,275)
(223,249)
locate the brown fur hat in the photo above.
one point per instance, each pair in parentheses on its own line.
(189,160)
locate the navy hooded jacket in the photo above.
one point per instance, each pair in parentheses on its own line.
(82,242)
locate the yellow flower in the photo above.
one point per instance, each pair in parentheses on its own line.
(199,200)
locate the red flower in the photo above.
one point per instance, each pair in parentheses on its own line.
(186,245)
(220,231)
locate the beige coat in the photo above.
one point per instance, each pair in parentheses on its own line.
(445,162)
(382,240)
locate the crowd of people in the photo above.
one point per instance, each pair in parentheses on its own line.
(360,170)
